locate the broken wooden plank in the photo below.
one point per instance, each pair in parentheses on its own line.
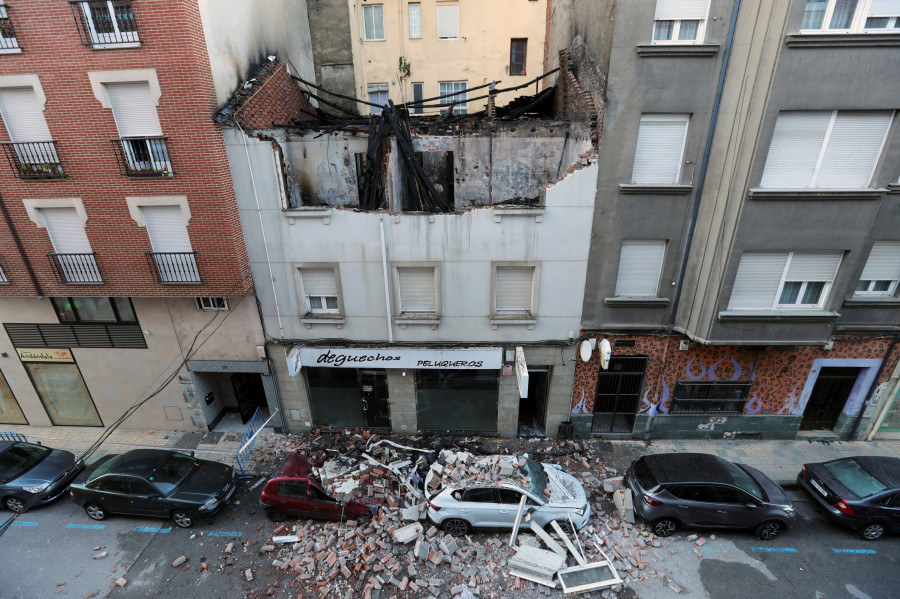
(517,522)
(575,553)
(547,539)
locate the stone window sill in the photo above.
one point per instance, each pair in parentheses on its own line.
(660,189)
(404,321)
(677,50)
(634,300)
(537,212)
(309,320)
(778,315)
(842,40)
(311,212)
(881,301)
(519,319)
(815,193)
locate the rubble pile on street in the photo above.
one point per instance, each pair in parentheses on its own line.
(399,553)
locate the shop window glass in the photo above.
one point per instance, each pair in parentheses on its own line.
(63,393)
(334,397)
(464,400)
(10,412)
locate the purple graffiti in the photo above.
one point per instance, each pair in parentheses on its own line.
(754,405)
(691,376)
(580,407)
(738,371)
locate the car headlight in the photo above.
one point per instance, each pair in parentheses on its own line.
(582,510)
(37,489)
(209,503)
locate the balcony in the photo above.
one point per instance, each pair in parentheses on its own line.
(4,280)
(174,267)
(8,42)
(75,269)
(105,23)
(34,159)
(143,156)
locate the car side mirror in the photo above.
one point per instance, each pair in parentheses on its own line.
(38,443)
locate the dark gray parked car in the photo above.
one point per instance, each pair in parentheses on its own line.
(697,489)
(28,470)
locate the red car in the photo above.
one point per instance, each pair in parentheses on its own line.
(294,490)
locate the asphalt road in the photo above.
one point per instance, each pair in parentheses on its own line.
(49,553)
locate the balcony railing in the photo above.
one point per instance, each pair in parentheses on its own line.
(4,280)
(143,156)
(34,159)
(105,23)
(174,267)
(8,41)
(75,269)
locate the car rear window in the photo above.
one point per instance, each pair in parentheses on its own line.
(644,475)
(850,474)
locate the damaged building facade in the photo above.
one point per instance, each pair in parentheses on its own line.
(417,275)
(745,259)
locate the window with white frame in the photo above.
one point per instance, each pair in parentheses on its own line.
(212,304)
(660,148)
(34,152)
(640,265)
(415,20)
(73,254)
(460,97)
(680,21)
(320,290)
(514,290)
(448,20)
(172,255)
(784,280)
(827,148)
(851,16)
(144,149)
(417,290)
(106,23)
(373,22)
(882,270)
(379,93)
(8,42)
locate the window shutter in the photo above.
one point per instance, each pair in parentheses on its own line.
(809,266)
(318,281)
(514,288)
(795,148)
(757,280)
(681,9)
(448,21)
(415,20)
(66,231)
(23,115)
(639,267)
(884,8)
(853,149)
(660,142)
(883,263)
(134,109)
(416,289)
(166,228)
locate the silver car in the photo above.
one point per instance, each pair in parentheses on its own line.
(495,503)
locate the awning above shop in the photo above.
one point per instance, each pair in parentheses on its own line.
(489,358)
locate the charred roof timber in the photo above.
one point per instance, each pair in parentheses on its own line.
(397,161)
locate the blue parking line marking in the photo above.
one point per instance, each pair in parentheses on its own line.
(866,551)
(20,523)
(87,526)
(151,529)
(773,549)
(224,533)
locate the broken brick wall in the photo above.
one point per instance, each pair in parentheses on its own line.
(272,99)
(577,100)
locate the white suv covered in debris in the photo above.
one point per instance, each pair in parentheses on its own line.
(465,493)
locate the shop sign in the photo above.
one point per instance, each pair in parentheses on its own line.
(44,355)
(385,357)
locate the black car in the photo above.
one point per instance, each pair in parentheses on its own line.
(861,493)
(154,482)
(28,471)
(697,489)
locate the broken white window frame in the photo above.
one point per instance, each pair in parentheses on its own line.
(373,22)
(867,16)
(461,95)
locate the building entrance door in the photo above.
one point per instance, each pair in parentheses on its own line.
(376,410)
(619,395)
(249,392)
(830,393)
(533,409)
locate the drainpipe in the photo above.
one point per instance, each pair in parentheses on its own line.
(862,408)
(15,236)
(704,164)
(387,289)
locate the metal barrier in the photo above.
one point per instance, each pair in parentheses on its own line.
(12,436)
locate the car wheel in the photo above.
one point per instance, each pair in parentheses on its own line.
(95,512)
(455,527)
(872,531)
(769,530)
(664,527)
(563,524)
(275,514)
(183,519)
(14,504)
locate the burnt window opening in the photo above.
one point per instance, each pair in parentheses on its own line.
(360,158)
(438,167)
(517,52)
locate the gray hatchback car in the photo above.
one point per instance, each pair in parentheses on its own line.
(701,490)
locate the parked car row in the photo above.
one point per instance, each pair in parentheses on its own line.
(669,491)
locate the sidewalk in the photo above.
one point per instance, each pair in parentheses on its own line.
(780,460)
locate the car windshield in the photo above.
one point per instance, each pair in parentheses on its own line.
(538,477)
(173,472)
(19,458)
(850,474)
(743,480)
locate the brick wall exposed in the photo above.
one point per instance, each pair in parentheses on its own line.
(173,44)
(578,100)
(271,99)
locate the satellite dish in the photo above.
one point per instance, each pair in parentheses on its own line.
(584,350)
(605,353)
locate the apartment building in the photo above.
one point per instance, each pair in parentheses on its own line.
(745,257)
(121,249)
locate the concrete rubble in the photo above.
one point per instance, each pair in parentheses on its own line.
(395,555)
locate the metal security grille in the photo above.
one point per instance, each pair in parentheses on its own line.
(710,397)
(126,336)
(619,395)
